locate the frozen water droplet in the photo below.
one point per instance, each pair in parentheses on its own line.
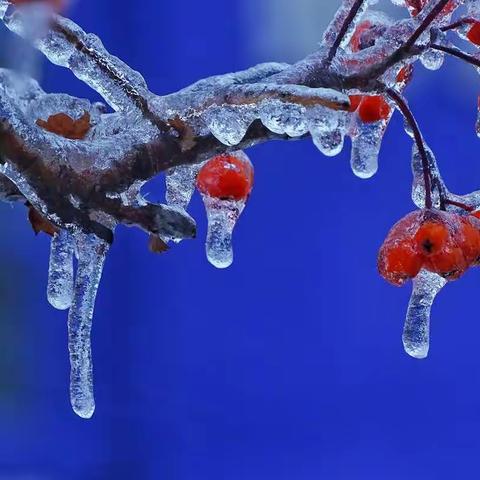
(366,144)
(228,124)
(329,143)
(60,271)
(416,333)
(432,59)
(283,118)
(222,216)
(327,128)
(91,253)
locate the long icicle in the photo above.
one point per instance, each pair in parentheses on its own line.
(91,253)
(60,271)
(416,332)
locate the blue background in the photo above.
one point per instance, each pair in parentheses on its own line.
(287,366)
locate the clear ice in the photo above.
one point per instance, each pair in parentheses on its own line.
(416,332)
(60,271)
(91,253)
(180,183)
(327,129)
(366,143)
(222,215)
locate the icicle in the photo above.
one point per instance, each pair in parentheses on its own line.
(91,253)
(416,333)
(60,271)
(222,216)
(180,183)
(366,143)
(228,124)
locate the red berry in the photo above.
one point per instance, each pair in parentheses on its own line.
(405,74)
(227,177)
(355,102)
(373,109)
(416,6)
(399,262)
(356,41)
(399,259)
(431,237)
(470,239)
(474,33)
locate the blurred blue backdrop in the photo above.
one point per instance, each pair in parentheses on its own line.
(287,366)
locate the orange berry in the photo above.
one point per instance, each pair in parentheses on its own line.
(373,109)
(431,237)
(226,177)
(470,239)
(474,33)
(442,244)
(399,258)
(450,263)
(399,261)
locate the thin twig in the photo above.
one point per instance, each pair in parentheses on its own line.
(343,31)
(417,135)
(428,20)
(455,52)
(458,24)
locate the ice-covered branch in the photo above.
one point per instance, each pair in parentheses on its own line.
(82,168)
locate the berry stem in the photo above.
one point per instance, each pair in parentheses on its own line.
(458,24)
(417,135)
(467,208)
(432,15)
(343,31)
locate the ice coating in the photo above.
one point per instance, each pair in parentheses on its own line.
(91,253)
(418,185)
(60,271)
(416,333)
(338,21)
(180,183)
(65,44)
(228,124)
(283,118)
(222,216)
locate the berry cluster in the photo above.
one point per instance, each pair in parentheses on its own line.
(226,177)
(441,242)
(373,108)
